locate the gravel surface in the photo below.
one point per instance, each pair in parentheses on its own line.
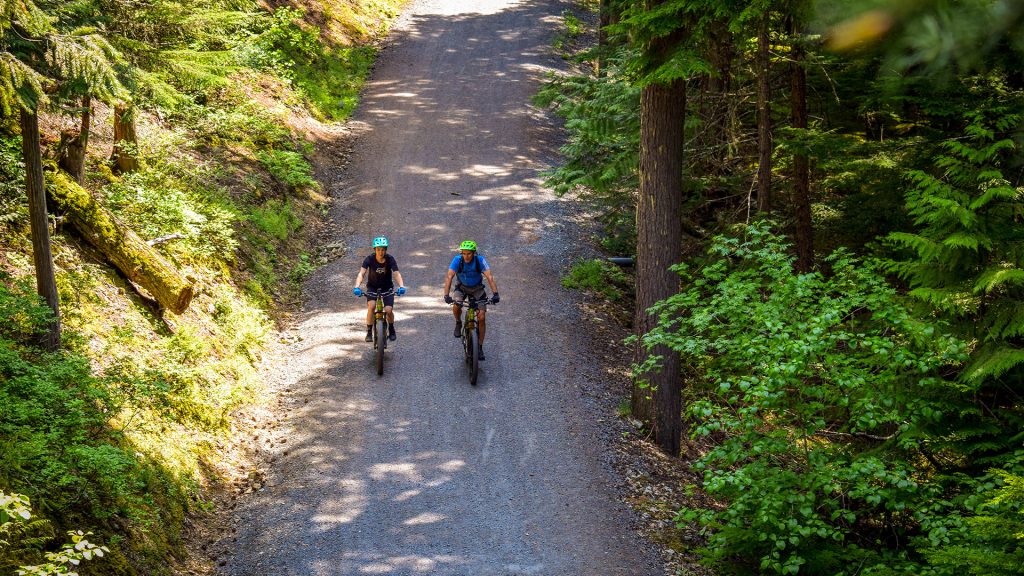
(417,472)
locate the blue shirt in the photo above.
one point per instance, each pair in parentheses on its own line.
(470,275)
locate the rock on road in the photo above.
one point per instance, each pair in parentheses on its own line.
(417,472)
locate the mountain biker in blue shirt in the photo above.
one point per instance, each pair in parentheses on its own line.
(469,270)
(381,271)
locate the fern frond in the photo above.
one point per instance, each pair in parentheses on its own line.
(992,362)
(89,59)
(966,240)
(26,15)
(950,300)
(997,277)
(1004,319)
(1002,191)
(19,82)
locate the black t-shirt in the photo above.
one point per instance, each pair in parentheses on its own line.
(379,275)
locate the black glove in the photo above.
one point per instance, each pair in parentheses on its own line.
(495,298)
(448,299)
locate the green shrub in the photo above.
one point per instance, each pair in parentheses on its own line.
(289,167)
(155,203)
(13,208)
(598,276)
(302,269)
(276,219)
(816,393)
(53,426)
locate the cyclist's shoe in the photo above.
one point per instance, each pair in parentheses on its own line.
(458,329)
(481,356)
(391,332)
(369,333)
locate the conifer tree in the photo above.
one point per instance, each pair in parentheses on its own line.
(968,265)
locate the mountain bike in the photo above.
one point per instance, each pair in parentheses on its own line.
(380,329)
(471,336)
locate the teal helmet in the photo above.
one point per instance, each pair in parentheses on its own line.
(380,242)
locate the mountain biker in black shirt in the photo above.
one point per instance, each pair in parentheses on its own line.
(381,271)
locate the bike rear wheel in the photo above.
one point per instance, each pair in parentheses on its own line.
(380,337)
(473,357)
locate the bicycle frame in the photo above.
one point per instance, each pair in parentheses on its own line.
(380,339)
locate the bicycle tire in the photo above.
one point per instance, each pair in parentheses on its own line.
(474,363)
(380,336)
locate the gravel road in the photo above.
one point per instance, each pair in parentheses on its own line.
(417,472)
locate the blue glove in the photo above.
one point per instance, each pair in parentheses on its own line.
(401,290)
(448,299)
(357,291)
(495,298)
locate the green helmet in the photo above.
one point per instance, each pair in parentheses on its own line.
(380,242)
(468,245)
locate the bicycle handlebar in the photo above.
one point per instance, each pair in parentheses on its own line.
(378,294)
(472,302)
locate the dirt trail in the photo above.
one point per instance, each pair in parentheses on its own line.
(416,472)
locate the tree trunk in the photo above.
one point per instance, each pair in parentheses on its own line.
(764,121)
(73,146)
(715,102)
(604,19)
(659,246)
(121,246)
(46,281)
(126,144)
(801,166)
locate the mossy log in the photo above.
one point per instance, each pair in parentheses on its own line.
(121,246)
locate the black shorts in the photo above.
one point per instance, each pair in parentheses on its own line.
(388,300)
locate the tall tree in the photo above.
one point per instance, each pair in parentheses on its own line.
(801,163)
(33,54)
(764,117)
(24,28)
(659,209)
(46,281)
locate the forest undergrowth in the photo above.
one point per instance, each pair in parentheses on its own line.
(132,426)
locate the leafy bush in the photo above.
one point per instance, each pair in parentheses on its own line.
(15,511)
(602,118)
(155,203)
(328,77)
(275,218)
(598,276)
(54,422)
(814,392)
(13,208)
(289,167)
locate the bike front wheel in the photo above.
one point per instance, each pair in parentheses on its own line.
(473,356)
(380,336)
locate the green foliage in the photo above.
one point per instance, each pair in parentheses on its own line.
(993,543)
(289,167)
(965,261)
(13,210)
(54,426)
(156,203)
(276,219)
(598,276)
(601,155)
(816,392)
(15,510)
(328,77)
(302,269)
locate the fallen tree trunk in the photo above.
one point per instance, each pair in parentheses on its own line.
(121,246)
